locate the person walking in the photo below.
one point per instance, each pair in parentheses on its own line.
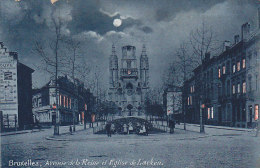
(108,129)
(171,125)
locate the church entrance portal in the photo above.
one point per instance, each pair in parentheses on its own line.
(130,107)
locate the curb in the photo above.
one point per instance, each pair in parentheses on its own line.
(56,139)
(17,133)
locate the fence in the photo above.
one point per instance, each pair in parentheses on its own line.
(161,127)
(99,128)
(8,121)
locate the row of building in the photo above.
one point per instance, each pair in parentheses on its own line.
(22,106)
(226,86)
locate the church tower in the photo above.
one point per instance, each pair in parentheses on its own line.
(113,68)
(128,89)
(144,68)
(128,63)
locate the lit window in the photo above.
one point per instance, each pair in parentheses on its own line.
(224,69)
(238,66)
(191,89)
(238,88)
(60,99)
(219,73)
(212,111)
(256,111)
(233,89)
(208,113)
(244,63)
(64,101)
(234,68)
(188,100)
(244,87)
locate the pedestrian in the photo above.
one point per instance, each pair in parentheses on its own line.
(108,129)
(171,125)
(70,129)
(125,130)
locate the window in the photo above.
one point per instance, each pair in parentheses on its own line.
(60,100)
(64,101)
(238,66)
(224,69)
(233,89)
(208,113)
(67,102)
(244,87)
(70,103)
(238,88)
(256,111)
(234,68)
(192,89)
(244,63)
(8,76)
(212,112)
(250,83)
(188,100)
(219,73)
(228,88)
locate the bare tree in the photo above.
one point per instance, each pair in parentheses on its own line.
(51,57)
(202,40)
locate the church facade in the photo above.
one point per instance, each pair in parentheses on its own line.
(128,81)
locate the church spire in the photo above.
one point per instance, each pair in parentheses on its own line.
(113,49)
(144,50)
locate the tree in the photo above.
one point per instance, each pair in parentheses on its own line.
(202,41)
(51,57)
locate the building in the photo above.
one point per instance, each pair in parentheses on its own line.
(227,85)
(15,90)
(74,101)
(128,83)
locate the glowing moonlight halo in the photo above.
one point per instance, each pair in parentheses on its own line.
(117,22)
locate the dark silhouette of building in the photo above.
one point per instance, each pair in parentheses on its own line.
(228,82)
(15,90)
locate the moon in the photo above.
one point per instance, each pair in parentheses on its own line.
(117,22)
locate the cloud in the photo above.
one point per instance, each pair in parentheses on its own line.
(161,25)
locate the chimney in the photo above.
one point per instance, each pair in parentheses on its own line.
(258,18)
(245,29)
(226,45)
(236,39)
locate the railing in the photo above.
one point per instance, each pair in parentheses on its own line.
(99,128)
(161,127)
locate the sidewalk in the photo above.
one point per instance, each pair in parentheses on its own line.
(62,129)
(19,132)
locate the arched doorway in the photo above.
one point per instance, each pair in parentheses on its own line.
(129,107)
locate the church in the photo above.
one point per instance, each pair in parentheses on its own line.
(129,81)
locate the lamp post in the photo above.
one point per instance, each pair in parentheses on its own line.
(56,124)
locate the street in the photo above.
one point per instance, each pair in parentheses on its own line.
(216,148)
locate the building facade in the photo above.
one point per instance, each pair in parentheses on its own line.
(128,83)
(228,84)
(74,101)
(15,90)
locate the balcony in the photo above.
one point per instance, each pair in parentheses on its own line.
(129,73)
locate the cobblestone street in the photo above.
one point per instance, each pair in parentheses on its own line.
(216,148)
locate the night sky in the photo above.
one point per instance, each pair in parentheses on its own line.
(159,24)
